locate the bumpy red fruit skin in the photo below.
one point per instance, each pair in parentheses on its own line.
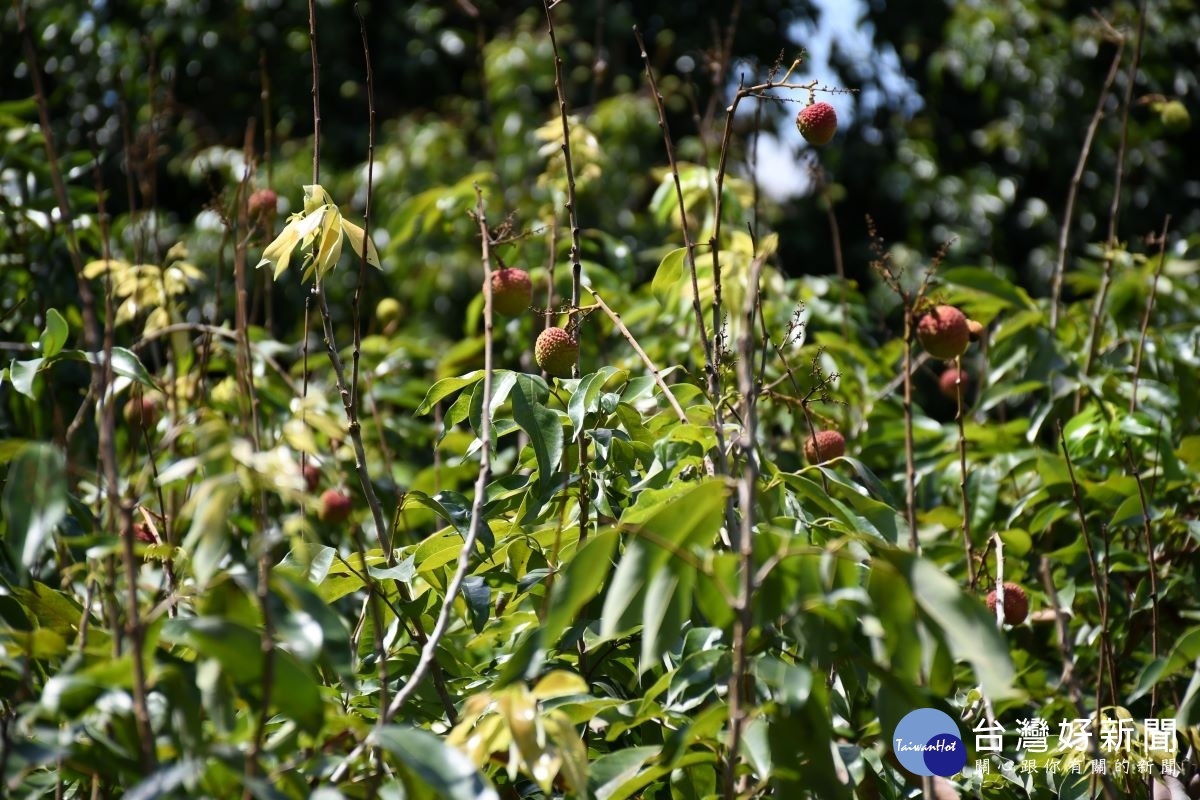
(556,351)
(817,123)
(946,382)
(262,204)
(825,445)
(335,507)
(512,291)
(944,333)
(1016,603)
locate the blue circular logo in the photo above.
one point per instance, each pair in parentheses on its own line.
(927,743)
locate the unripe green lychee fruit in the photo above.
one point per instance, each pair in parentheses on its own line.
(262,205)
(947,382)
(142,412)
(823,446)
(1016,603)
(556,352)
(335,507)
(975,330)
(817,123)
(388,310)
(943,332)
(512,291)
(1175,117)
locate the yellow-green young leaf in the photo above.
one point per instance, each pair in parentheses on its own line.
(331,242)
(559,683)
(355,234)
(279,252)
(315,197)
(571,750)
(94,269)
(300,230)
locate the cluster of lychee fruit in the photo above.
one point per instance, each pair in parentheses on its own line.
(555,350)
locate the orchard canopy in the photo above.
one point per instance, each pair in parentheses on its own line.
(559,399)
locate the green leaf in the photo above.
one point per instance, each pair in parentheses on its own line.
(578,584)
(668,276)
(238,649)
(208,538)
(586,398)
(652,586)
(968,629)
(997,293)
(444,388)
(543,428)
(22,374)
(167,781)
(55,334)
(125,363)
(610,771)
(438,765)
(35,501)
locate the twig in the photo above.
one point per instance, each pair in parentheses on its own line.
(316,92)
(477,521)
(576,253)
(362,262)
(1073,190)
(120,515)
(1148,533)
(213,330)
(1093,564)
(654,372)
(744,616)
(688,244)
(968,545)
(1114,208)
(910,467)
(245,379)
(91,326)
(1141,344)
(1074,693)
(710,365)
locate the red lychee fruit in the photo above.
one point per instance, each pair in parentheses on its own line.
(312,476)
(142,532)
(823,446)
(142,412)
(512,291)
(556,352)
(1016,603)
(262,205)
(817,123)
(948,380)
(335,507)
(944,333)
